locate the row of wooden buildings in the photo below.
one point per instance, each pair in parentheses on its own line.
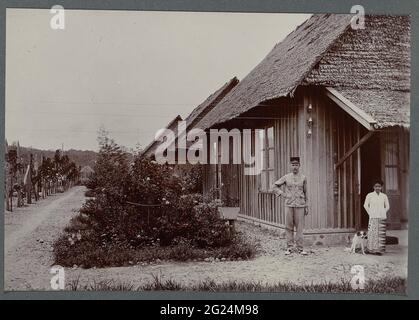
(337,97)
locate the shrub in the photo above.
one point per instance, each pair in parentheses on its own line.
(89,193)
(193,178)
(143,205)
(88,252)
(150,204)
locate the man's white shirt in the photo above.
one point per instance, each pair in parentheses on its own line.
(377,205)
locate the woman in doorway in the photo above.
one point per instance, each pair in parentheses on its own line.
(376,204)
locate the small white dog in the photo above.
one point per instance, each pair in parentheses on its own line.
(359,241)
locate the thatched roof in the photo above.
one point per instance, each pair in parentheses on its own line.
(149,150)
(377,57)
(371,68)
(197,114)
(283,69)
(374,58)
(388,108)
(202,110)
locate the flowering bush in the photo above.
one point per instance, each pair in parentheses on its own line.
(142,204)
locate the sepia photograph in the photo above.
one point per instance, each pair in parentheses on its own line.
(206,151)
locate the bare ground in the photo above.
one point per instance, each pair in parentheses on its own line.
(30,232)
(28,260)
(323,265)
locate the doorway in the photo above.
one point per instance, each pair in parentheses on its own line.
(370,171)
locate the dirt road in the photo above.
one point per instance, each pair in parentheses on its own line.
(29,234)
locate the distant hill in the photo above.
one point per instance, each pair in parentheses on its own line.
(80,157)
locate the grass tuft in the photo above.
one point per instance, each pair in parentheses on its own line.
(392,285)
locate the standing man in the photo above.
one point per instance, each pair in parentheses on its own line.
(295,204)
(376,204)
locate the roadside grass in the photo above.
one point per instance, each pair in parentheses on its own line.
(392,285)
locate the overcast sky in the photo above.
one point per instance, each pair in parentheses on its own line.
(129,71)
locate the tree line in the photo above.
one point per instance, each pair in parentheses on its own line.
(28,178)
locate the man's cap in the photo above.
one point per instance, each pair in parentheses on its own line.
(295,159)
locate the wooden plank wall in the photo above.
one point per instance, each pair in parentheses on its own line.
(333,195)
(404,146)
(347,175)
(248,187)
(398,215)
(230,173)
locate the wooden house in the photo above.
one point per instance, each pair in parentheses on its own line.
(183,167)
(191,120)
(338,97)
(150,149)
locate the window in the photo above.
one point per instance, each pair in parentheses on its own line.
(219,171)
(267,177)
(391,162)
(216,168)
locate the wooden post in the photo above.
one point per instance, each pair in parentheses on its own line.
(358,209)
(20,186)
(36,190)
(9,198)
(10,195)
(354,148)
(37,183)
(7,179)
(29,181)
(44,188)
(19,196)
(28,194)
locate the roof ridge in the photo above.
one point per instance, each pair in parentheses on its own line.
(150,145)
(328,48)
(211,100)
(283,69)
